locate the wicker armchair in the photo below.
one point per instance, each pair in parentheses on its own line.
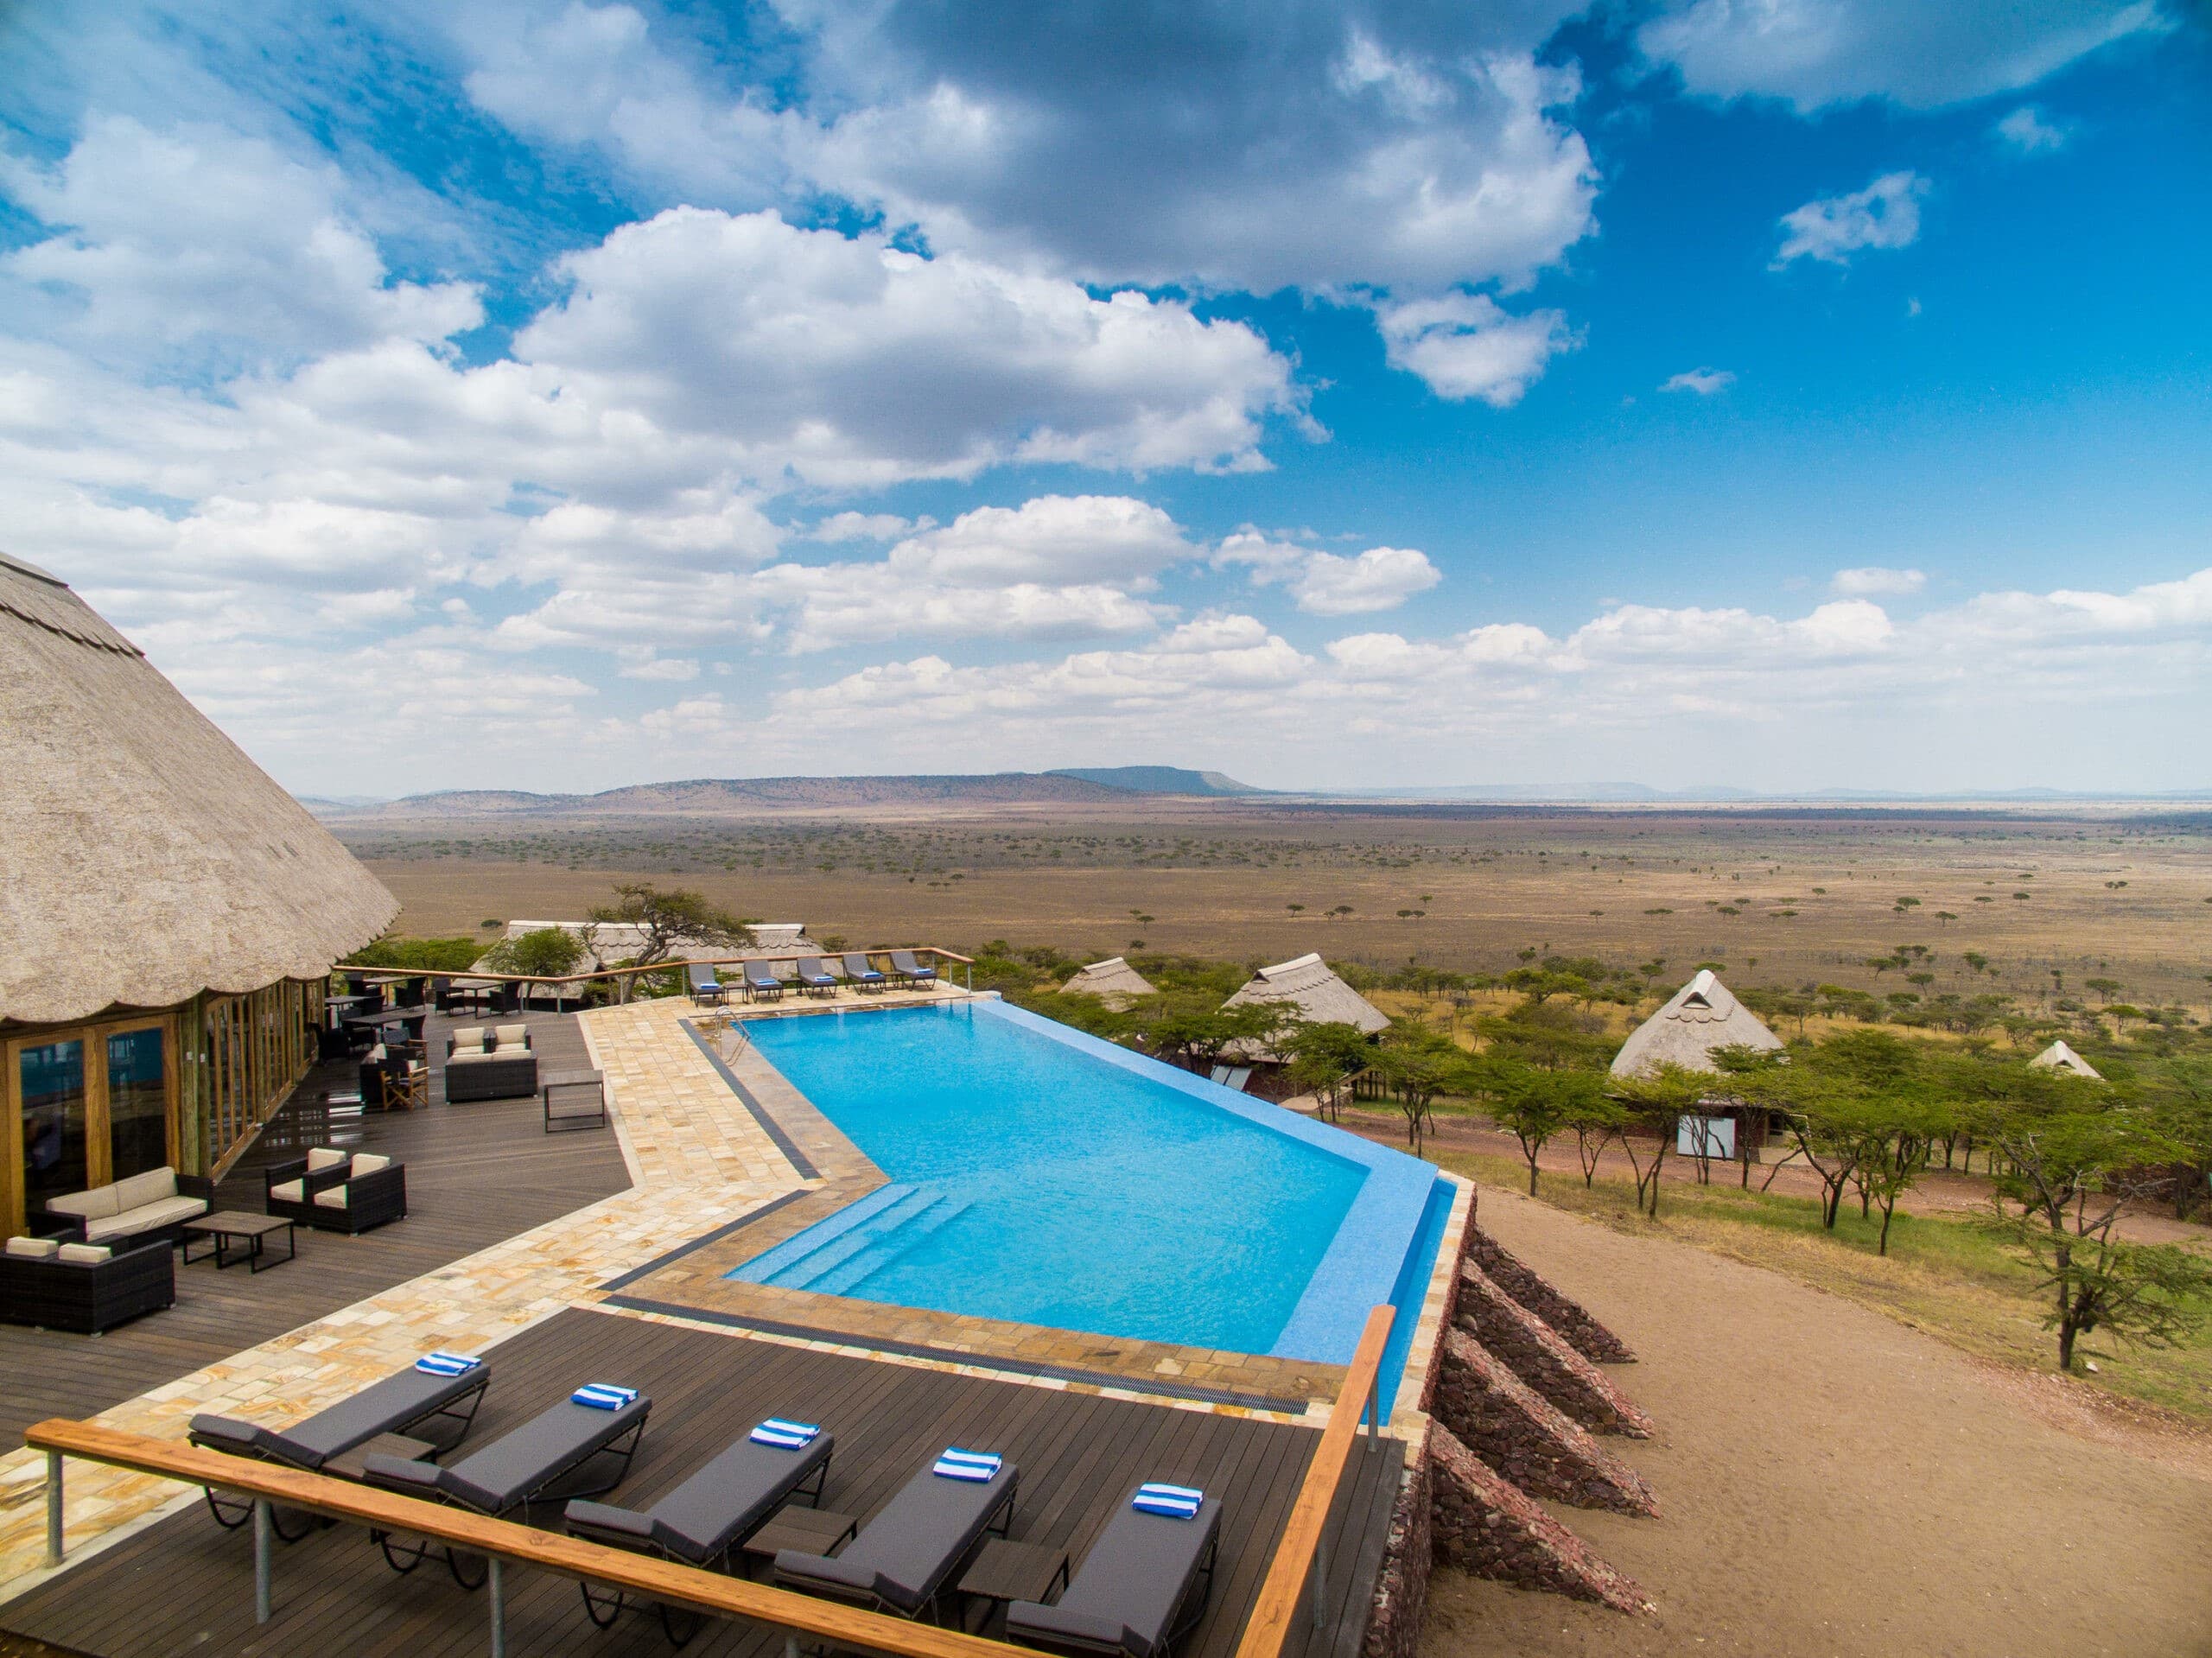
(373,1192)
(288,1188)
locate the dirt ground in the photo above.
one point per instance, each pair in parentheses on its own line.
(1832,1483)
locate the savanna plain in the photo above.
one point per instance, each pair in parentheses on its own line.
(1857,1451)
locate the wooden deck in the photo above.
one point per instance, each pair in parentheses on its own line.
(184,1586)
(476,1175)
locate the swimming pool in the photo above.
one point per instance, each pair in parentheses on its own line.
(1042,1176)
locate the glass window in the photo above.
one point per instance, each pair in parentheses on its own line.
(52,1083)
(137,1104)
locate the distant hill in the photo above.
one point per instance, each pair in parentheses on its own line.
(716,797)
(1158,779)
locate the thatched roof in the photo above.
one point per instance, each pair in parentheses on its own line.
(1318,994)
(1112,980)
(1701,1016)
(608,942)
(2059,1057)
(148,858)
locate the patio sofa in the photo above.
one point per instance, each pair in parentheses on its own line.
(85,1287)
(154,1205)
(494,1064)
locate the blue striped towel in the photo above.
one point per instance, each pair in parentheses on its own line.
(447,1364)
(1176,1501)
(784,1436)
(605,1395)
(956,1463)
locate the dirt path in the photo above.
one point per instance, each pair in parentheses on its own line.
(1833,1484)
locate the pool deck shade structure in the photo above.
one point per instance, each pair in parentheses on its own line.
(168,918)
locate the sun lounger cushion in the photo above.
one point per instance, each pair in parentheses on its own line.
(728,1499)
(399,1400)
(32,1248)
(903,1556)
(513,1468)
(1130,1587)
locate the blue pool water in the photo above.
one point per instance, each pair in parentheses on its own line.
(1041,1176)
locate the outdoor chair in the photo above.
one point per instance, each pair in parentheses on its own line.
(1144,1584)
(595,1423)
(85,1288)
(706,989)
(440,1387)
(814,978)
(909,971)
(498,1063)
(288,1188)
(761,982)
(372,1193)
(705,1520)
(863,978)
(403,1083)
(901,1560)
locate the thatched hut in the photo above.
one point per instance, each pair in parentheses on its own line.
(2061,1058)
(1311,987)
(1112,980)
(1700,1018)
(169,921)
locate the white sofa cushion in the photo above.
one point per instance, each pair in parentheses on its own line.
(32,1248)
(83,1255)
(291,1191)
(93,1205)
(367,1163)
(332,1197)
(144,1218)
(468,1049)
(148,1188)
(513,1036)
(468,1035)
(324,1157)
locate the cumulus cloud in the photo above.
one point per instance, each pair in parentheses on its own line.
(1328,584)
(2028,132)
(867,526)
(1885,215)
(1467,346)
(1872,581)
(1703,381)
(1815,53)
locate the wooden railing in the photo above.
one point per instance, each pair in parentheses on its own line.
(392,975)
(501,1542)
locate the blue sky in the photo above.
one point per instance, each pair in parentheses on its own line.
(1786,394)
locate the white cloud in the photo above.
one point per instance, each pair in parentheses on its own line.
(1703,381)
(1885,215)
(867,526)
(1465,345)
(844,360)
(1328,584)
(1872,581)
(1819,52)
(2027,131)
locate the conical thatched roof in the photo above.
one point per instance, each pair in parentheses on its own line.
(1318,994)
(148,859)
(1112,980)
(2059,1057)
(1701,1016)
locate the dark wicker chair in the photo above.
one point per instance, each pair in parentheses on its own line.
(288,1188)
(88,1297)
(359,1202)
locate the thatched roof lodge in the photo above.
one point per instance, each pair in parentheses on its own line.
(169,920)
(2060,1057)
(1699,1018)
(1112,980)
(1310,985)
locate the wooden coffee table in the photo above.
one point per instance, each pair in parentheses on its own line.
(1007,1571)
(230,1226)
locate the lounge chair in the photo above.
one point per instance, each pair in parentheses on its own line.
(1144,1584)
(760,981)
(519,1468)
(863,977)
(813,976)
(902,1559)
(705,1520)
(706,989)
(439,1388)
(909,971)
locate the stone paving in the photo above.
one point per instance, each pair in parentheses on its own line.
(701,1161)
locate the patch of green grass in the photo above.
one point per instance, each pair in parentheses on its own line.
(1942,1274)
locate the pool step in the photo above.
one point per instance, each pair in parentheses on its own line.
(775,1266)
(832,1256)
(888,1244)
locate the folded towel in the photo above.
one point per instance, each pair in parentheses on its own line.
(1179,1493)
(604,1395)
(784,1436)
(1174,1508)
(447,1364)
(978,1466)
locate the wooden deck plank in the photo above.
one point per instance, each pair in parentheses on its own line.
(184,1585)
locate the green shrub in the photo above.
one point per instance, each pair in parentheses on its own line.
(420,954)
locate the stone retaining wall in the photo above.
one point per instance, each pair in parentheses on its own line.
(1582,1331)
(1540,1357)
(1393,1618)
(1526,1438)
(1485,1525)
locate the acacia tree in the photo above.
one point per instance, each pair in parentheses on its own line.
(1657,1102)
(1597,1121)
(1185,1028)
(667,917)
(1416,1064)
(1533,1105)
(1324,1058)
